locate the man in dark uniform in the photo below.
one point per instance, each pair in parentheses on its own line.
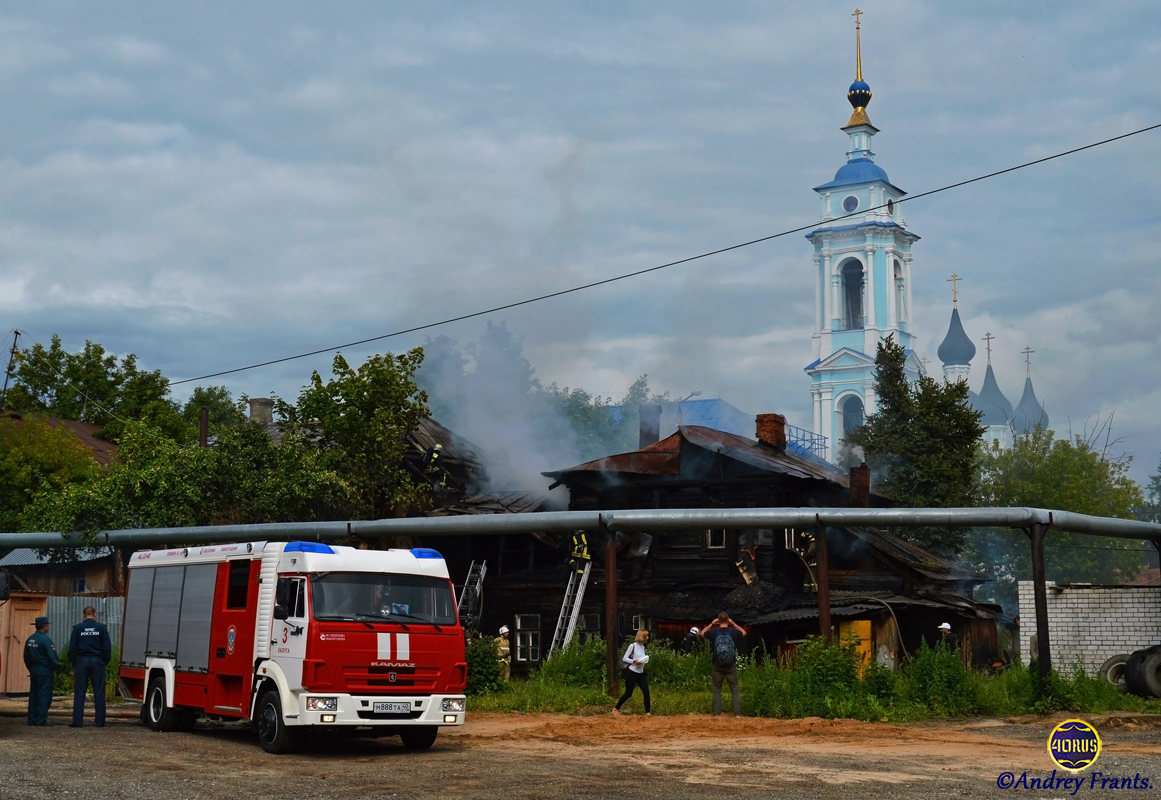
(43,666)
(89,650)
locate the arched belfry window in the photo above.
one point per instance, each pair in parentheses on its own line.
(852,288)
(853,414)
(900,293)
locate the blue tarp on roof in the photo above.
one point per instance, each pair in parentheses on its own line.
(717,414)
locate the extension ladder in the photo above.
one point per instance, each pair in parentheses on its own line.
(473,587)
(574,595)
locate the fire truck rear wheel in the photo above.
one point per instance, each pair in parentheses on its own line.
(419,738)
(158,716)
(272,731)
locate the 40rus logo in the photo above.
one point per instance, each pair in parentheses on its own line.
(1074,745)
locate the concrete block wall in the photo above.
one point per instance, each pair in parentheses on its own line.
(1092,623)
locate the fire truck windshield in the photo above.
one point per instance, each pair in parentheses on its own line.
(402,598)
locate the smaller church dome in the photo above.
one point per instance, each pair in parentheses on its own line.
(859,94)
(992,402)
(1029,413)
(856,171)
(956,347)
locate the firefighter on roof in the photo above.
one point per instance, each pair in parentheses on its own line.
(43,667)
(432,468)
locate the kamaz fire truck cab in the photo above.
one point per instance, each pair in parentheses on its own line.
(294,636)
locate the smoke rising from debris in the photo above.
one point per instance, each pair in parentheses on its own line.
(488,393)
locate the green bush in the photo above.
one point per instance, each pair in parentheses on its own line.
(937,680)
(483,658)
(670,669)
(581,665)
(823,679)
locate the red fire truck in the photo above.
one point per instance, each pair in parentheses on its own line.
(294,636)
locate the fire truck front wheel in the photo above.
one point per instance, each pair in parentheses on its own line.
(158,716)
(419,738)
(272,731)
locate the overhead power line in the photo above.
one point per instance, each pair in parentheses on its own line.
(636,273)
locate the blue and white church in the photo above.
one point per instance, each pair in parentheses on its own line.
(862,268)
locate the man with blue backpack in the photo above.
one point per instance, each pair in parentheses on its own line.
(724,636)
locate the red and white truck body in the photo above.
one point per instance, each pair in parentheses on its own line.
(293,636)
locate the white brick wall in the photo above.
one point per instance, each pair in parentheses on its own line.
(1092,623)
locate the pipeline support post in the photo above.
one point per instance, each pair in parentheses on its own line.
(822,578)
(611,612)
(1040,591)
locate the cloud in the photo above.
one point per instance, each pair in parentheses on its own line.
(221,187)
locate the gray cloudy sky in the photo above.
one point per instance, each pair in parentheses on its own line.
(210,185)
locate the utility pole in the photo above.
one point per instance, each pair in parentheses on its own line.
(8,372)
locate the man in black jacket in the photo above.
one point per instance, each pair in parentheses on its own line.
(89,650)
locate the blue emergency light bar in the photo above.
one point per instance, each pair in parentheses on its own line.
(425,552)
(308,547)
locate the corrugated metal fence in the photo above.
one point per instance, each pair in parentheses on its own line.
(65,612)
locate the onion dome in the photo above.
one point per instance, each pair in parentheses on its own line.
(1029,413)
(956,347)
(859,94)
(991,402)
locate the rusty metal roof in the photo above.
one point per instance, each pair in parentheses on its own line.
(664,457)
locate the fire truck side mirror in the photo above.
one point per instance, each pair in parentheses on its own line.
(4,590)
(280,612)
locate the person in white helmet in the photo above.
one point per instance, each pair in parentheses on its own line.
(947,637)
(505,652)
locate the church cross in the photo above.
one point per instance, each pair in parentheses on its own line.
(953,280)
(925,361)
(1028,351)
(988,339)
(858,46)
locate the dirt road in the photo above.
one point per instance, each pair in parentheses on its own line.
(515,756)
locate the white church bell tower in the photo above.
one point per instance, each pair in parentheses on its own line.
(862,267)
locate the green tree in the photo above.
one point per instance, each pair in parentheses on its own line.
(94,386)
(223,409)
(358,420)
(36,458)
(259,480)
(156,482)
(920,444)
(1150,509)
(1041,471)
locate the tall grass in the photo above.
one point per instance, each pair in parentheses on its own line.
(824,679)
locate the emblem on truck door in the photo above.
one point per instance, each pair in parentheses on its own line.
(231,635)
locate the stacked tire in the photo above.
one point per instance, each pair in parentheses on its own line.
(1138,673)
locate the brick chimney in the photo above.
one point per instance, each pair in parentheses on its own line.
(772,430)
(650,431)
(860,496)
(262,410)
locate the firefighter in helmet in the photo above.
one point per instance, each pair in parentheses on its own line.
(505,651)
(432,468)
(579,556)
